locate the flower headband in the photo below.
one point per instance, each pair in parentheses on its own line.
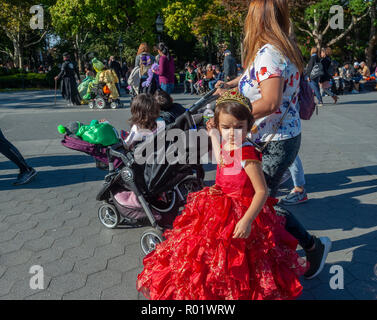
(234,96)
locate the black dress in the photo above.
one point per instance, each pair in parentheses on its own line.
(68,84)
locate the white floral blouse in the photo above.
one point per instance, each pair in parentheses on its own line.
(270,63)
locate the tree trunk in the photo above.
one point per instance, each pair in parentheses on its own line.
(373,37)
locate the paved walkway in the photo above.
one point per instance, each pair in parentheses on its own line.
(52,222)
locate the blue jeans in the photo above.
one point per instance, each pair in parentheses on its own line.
(212,84)
(315,86)
(297,173)
(167,87)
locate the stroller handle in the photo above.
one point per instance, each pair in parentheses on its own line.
(204,100)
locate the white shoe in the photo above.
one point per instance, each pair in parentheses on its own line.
(355,91)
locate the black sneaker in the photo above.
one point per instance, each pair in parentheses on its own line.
(317,257)
(25,177)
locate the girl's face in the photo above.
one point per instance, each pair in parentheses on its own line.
(232,130)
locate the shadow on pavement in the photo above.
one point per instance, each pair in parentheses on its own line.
(50,161)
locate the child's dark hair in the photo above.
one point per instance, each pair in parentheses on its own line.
(144,111)
(237,110)
(163,100)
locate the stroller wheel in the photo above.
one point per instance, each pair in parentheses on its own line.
(150,239)
(108,216)
(91,105)
(100,103)
(113,105)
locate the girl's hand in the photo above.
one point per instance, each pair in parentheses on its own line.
(210,125)
(242,229)
(219,84)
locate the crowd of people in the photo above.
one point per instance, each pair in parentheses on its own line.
(202,77)
(326,77)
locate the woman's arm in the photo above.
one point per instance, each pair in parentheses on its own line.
(272,95)
(255,173)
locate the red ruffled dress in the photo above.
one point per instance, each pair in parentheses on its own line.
(200,260)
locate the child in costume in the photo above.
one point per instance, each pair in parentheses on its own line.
(228,243)
(144,120)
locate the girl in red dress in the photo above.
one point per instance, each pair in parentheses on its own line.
(228,243)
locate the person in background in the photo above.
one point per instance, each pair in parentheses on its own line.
(314,82)
(190,80)
(143,50)
(115,65)
(324,80)
(11,152)
(219,77)
(169,111)
(298,193)
(68,84)
(166,68)
(229,67)
(346,74)
(356,76)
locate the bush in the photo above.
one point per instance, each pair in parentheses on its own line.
(22,80)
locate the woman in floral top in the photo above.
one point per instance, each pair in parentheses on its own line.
(273,65)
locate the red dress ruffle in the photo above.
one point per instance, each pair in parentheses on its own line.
(199,260)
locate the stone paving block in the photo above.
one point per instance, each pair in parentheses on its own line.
(5,287)
(306,295)
(47,255)
(67,283)
(85,293)
(59,267)
(67,242)
(77,222)
(2,270)
(90,265)
(44,295)
(123,263)
(17,218)
(48,224)
(101,239)
(21,289)
(68,215)
(24,226)
(363,290)
(18,272)
(128,236)
(15,258)
(324,292)
(120,292)
(109,251)
(362,271)
(130,279)
(60,232)
(11,246)
(81,252)
(7,235)
(104,279)
(87,231)
(28,235)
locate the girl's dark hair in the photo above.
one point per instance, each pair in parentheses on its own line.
(164,49)
(237,110)
(144,111)
(163,100)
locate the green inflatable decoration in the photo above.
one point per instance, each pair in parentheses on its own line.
(95,133)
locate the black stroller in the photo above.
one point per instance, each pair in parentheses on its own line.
(159,188)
